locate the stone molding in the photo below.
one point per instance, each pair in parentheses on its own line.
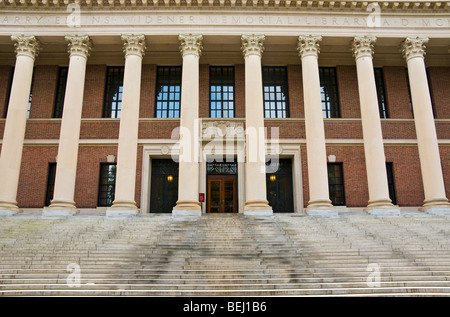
(190,44)
(362,46)
(222,129)
(79,45)
(25,45)
(414,47)
(308,45)
(252,44)
(393,5)
(133,44)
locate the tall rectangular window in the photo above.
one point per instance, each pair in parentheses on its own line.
(329,92)
(336,184)
(107,184)
(60,92)
(9,93)
(391,186)
(221,92)
(275,89)
(112,105)
(168,92)
(381,93)
(50,183)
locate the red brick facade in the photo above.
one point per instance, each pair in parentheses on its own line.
(400,126)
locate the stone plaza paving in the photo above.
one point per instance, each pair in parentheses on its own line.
(354,254)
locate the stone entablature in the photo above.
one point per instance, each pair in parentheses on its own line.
(291,4)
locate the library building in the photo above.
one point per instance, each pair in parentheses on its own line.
(197,107)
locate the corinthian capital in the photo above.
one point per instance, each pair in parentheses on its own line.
(414,47)
(252,44)
(25,45)
(133,44)
(79,45)
(190,44)
(308,45)
(362,46)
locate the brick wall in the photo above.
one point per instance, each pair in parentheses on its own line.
(439,79)
(396,89)
(43,89)
(347,82)
(148,85)
(94,91)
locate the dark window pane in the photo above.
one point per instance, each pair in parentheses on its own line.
(336,184)
(113,94)
(381,94)
(329,92)
(50,183)
(275,89)
(60,92)
(390,177)
(107,184)
(168,87)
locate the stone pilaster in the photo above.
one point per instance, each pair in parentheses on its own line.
(319,203)
(26,48)
(433,182)
(189,169)
(379,201)
(124,203)
(255,149)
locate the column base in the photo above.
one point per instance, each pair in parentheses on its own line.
(186,213)
(60,209)
(258,208)
(187,208)
(382,208)
(322,212)
(9,208)
(436,207)
(384,212)
(258,213)
(321,208)
(122,209)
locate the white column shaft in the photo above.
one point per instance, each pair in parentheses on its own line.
(373,138)
(70,134)
(430,163)
(315,135)
(14,132)
(255,140)
(188,178)
(128,135)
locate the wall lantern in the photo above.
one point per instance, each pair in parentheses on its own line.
(170,178)
(272,178)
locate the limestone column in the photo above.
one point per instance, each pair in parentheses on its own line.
(63,203)
(188,173)
(319,200)
(255,149)
(124,202)
(379,201)
(433,183)
(26,47)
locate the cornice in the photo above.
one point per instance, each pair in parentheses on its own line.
(391,5)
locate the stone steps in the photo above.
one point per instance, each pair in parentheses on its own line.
(226,255)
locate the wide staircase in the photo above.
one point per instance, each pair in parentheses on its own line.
(354,254)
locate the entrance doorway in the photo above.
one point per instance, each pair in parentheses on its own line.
(221,186)
(222,194)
